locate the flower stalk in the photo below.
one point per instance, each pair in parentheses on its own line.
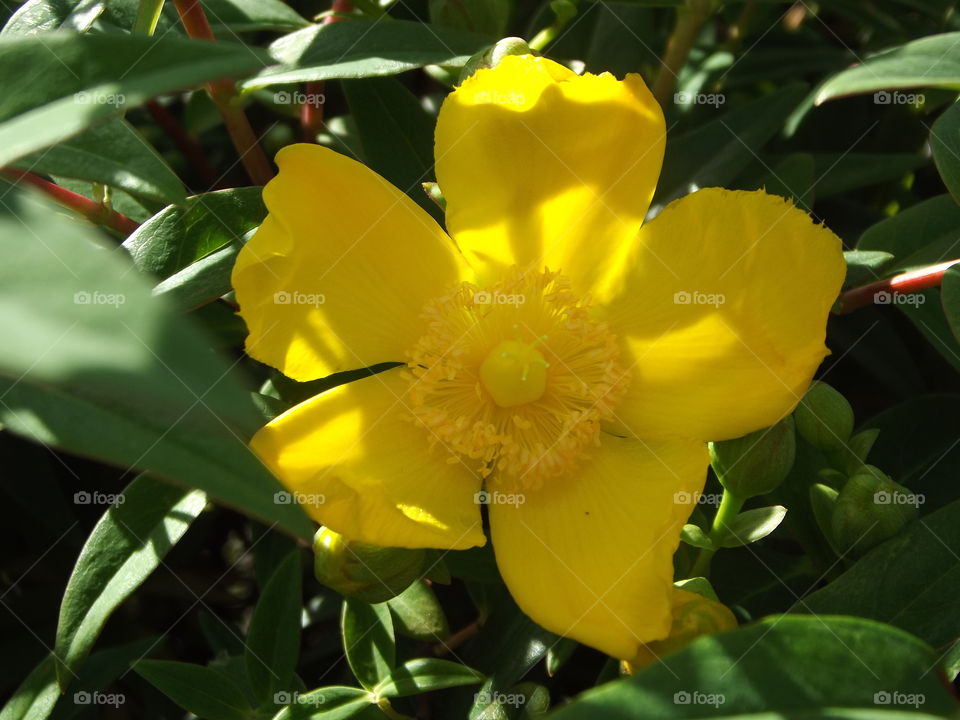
(311,112)
(690,20)
(908,282)
(730,506)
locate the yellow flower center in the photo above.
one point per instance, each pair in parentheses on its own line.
(514,373)
(517,377)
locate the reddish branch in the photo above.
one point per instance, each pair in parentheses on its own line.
(224,95)
(311,112)
(908,282)
(95,212)
(185,143)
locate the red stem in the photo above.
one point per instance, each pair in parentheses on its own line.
(311,112)
(186,144)
(908,282)
(93,211)
(224,95)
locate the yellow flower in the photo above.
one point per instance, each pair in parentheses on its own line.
(555,353)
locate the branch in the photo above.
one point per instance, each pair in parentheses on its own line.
(908,282)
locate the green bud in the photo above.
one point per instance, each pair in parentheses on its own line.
(824,418)
(370,573)
(492,56)
(757,463)
(871,508)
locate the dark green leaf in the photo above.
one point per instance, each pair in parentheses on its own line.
(945,144)
(418,614)
(204,692)
(234,16)
(864,266)
(838,174)
(368,641)
(93,364)
(37,694)
(330,703)
(273,640)
(37,16)
(359,48)
(115,154)
(918,236)
(127,545)
(786,666)
(927,62)
(950,297)
(483,16)
(201,282)
(75,81)
(177,236)
(425,674)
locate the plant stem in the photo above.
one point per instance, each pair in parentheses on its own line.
(552,31)
(224,95)
(148,14)
(908,282)
(458,638)
(311,112)
(186,144)
(95,212)
(729,508)
(690,20)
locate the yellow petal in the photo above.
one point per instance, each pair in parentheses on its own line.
(539,165)
(337,275)
(589,555)
(359,463)
(723,315)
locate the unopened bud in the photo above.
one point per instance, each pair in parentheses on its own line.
(824,418)
(870,508)
(757,463)
(492,56)
(370,573)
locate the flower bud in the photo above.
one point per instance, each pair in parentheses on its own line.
(492,56)
(693,615)
(824,418)
(870,509)
(370,573)
(757,463)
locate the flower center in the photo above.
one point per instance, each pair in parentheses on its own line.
(514,373)
(516,377)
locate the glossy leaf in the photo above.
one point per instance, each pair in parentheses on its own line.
(368,641)
(424,675)
(752,525)
(202,691)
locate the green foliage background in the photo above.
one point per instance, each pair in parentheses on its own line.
(121,369)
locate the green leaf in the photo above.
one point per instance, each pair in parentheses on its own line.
(396,134)
(330,703)
(93,364)
(273,640)
(368,641)
(752,525)
(838,174)
(950,297)
(483,16)
(76,81)
(115,154)
(785,666)
(926,311)
(713,154)
(37,16)
(695,536)
(201,282)
(558,654)
(235,16)
(945,144)
(418,614)
(911,581)
(864,266)
(917,236)
(357,48)
(425,674)
(127,544)
(177,236)
(36,695)
(927,62)
(206,693)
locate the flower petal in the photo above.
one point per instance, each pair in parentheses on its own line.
(361,465)
(589,555)
(540,165)
(337,275)
(723,315)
